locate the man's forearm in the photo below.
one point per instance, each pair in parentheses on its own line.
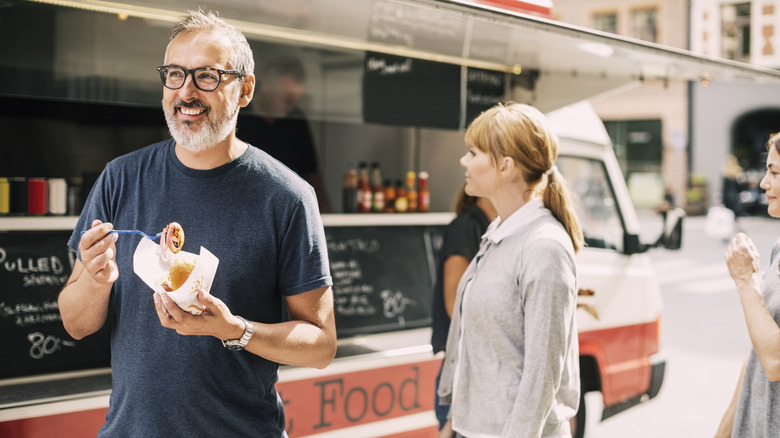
(83,304)
(297,343)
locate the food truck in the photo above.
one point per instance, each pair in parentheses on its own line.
(388,81)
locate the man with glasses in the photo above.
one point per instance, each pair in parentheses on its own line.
(172,373)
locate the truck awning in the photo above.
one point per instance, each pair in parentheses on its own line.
(585,62)
(559,63)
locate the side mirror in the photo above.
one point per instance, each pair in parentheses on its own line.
(672,232)
(632,245)
(671,235)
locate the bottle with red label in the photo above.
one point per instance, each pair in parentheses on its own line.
(423,193)
(377,190)
(364,189)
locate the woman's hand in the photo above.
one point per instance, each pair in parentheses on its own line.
(742,259)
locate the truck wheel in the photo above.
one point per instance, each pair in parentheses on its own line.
(578,421)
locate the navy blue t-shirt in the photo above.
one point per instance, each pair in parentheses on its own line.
(262,222)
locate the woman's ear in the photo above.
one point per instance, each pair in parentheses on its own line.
(506,165)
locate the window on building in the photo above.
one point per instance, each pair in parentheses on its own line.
(643,24)
(638,144)
(606,22)
(735,31)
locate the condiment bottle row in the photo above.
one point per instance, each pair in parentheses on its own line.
(366,191)
(21,196)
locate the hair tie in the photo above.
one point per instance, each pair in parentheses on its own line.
(550,171)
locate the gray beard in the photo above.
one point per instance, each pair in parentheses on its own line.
(211,133)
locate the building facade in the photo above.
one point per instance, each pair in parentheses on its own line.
(648,123)
(683,131)
(727,118)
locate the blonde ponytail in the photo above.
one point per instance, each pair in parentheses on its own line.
(556,198)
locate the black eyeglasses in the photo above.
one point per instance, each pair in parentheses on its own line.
(205,78)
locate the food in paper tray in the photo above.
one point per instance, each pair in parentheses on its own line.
(177,276)
(172,238)
(167,269)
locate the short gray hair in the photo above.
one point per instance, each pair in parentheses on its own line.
(241,59)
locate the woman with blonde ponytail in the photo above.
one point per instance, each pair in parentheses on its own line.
(512,365)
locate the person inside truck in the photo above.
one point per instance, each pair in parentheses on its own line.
(512,363)
(459,246)
(281,129)
(753,411)
(214,374)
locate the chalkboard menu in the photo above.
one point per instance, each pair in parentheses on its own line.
(382,276)
(484,88)
(410,92)
(34,266)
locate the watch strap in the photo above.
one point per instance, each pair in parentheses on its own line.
(240,343)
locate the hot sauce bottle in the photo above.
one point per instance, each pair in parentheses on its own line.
(364,189)
(424,195)
(377,191)
(401,202)
(389,196)
(411,191)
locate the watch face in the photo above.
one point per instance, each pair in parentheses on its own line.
(234,347)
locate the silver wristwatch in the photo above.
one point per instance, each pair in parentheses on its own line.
(240,344)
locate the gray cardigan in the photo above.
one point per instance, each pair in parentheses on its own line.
(512,364)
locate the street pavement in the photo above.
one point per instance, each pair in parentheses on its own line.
(704,337)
